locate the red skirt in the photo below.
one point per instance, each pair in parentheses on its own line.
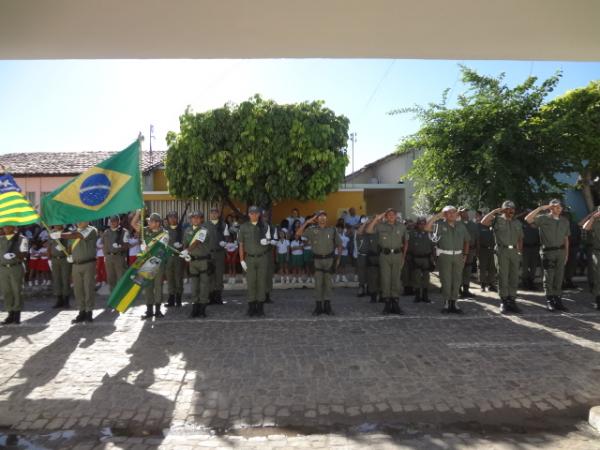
(42,265)
(232,257)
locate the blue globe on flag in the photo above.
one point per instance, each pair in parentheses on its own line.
(94,190)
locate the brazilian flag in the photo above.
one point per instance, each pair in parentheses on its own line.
(110,187)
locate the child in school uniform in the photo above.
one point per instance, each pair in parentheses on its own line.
(232,257)
(283,252)
(296,259)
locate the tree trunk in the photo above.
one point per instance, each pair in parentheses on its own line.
(586,188)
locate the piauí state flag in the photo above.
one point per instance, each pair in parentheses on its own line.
(15,209)
(110,187)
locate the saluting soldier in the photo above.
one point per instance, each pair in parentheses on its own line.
(83,254)
(153,292)
(254,248)
(531,254)
(554,237)
(13,250)
(372,262)
(592,228)
(324,241)
(473,230)
(453,245)
(220,232)
(198,246)
(487,265)
(361,246)
(115,243)
(508,233)
(421,260)
(174,267)
(60,268)
(392,239)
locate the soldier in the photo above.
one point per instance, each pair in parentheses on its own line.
(392,240)
(83,255)
(554,236)
(361,246)
(13,250)
(372,261)
(324,240)
(453,245)
(421,259)
(531,254)
(592,228)
(473,230)
(487,266)
(508,233)
(220,232)
(175,266)
(406,274)
(153,292)
(254,248)
(115,243)
(574,247)
(61,269)
(198,246)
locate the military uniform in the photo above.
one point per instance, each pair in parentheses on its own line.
(594,240)
(508,234)
(473,230)
(83,251)
(531,255)
(487,266)
(114,243)
(361,262)
(153,292)
(11,275)
(61,272)
(219,232)
(174,268)
(390,240)
(373,285)
(200,266)
(451,261)
(420,260)
(256,258)
(324,241)
(552,237)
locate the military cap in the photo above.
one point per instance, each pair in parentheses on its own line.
(390,209)
(449,208)
(172,214)
(555,202)
(197,214)
(155,216)
(254,209)
(114,217)
(508,204)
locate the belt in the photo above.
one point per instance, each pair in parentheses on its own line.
(85,261)
(549,249)
(330,255)
(200,258)
(448,252)
(256,255)
(389,251)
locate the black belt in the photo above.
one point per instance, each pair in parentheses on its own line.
(549,249)
(256,255)
(388,251)
(200,258)
(85,261)
(330,255)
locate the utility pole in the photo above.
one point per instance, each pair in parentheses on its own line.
(353,140)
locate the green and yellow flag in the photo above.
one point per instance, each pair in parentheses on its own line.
(110,187)
(15,209)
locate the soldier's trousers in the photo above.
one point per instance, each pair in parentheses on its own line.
(595,257)
(115,268)
(269,272)
(468,267)
(390,269)
(61,276)
(84,285)
(153,292)
(530,263)
(174,272)
(323,272)
(553,263)
(361,269)
(487,266)
(216,277)
(571,266)
(373,285)
(420,272)
(508,261)
(11,279)
(200,281)
(256,276)
(451,274)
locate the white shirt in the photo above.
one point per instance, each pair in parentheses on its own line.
(231,247)
(99,245)
(134,246)
(296,251)
(345,239)
(283,247)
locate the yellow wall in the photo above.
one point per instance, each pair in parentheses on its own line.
(160,180)
(334,204)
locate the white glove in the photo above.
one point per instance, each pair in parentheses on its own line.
(223,244)
(70,259)
(273,242)
(264,241)
(9,256)
(56,234)
(185,255)
(244,265)
(143,247)
(116,245)
(177,245)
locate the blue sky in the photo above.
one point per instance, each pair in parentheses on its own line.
(103,104)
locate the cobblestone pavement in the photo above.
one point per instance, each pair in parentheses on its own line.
(422,380)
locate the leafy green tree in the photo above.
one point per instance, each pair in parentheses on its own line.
(258,152)
(571,122)
(487,148)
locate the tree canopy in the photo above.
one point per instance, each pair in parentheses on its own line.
(258,152)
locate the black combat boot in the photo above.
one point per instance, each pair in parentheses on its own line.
(260,311)
(512,304)
(195,310)
(318,309)
(89,316)
(268,298)
(454,307)
(418,296)
(387,309)
(550,305)
(17,318)
(327,308)
(218,297)
(9,319)
(504,307)
(396,307)
(597,302)
(170,301)
(361,291)
(60,301)
(157,312)
(558,304)
(80,317)
(178,300)
(251,309)
(425,296)
(373,298)
(149,312)
(446,308)
(201,310)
